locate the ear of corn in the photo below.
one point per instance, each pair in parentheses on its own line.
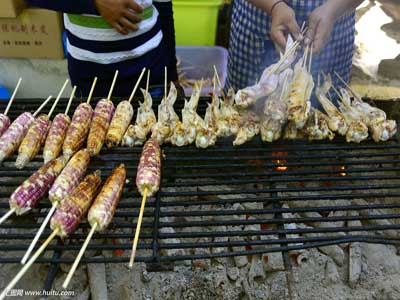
(33,141)
(149,169)
(70,176)
(55,138)
(103,208)
(103,114)
(73,209)
(28,194)
(4,123)
(119,124)
(78,130)
(12,138)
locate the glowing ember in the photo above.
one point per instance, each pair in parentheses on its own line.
(343,168)
(281,163)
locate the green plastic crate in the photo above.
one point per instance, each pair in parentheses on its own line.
(196,21)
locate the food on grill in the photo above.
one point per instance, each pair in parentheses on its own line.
(275,114)
(28,194)
(167,120)
(229,116)
(102,116)
(357,129)
(336,122)
(12,138)
(4,119)
(122,117)
(317,127)
(70,176)
(149,169)
(292,133)
(103,207)
(73,209)
(119,124)
(55,138)
(148,179)
(185,132)
(137,134)
(206,129)
(101,211)
(249,127)
(33,141)
(265,86)
(78,129)
(300,91)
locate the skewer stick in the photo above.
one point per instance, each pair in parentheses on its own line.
(348,86)
(57,99)
(147,82)
(70,100)
(91,90)
(311,56)
(7,215)
(41,106)
(165,83)
(39,233)
(112,85)
(79,257)
(283,88)
(28,265)
(139,224)
(137,85)
(219,83)
(12,96)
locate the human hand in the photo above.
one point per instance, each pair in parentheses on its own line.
(120,14)
(320,26)
(283,23)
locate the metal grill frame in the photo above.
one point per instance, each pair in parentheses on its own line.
(252,163)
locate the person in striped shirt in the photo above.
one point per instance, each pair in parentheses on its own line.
(108,35)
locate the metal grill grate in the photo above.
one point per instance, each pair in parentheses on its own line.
(227,201)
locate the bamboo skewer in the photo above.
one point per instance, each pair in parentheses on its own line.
(112,85)
(57,99)
(79,257)
(42,106)
(26,267)
(12,96)
(165,82)
(138,226)
(147,83)
(219,83)
(91,90)
(355,95)
(7,215)
(70,100)
(39,233)
(136,85)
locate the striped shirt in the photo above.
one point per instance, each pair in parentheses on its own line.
(95,48)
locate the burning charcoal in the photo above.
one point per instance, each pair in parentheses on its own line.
(257,272)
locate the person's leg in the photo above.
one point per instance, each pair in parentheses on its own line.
(167,26)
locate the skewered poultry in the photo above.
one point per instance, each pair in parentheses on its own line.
(317,127)
(206,129)
(137,134)
(292,133)
(357,129)
(249,127)
(336,122)
(229,116)
(167,118)
(300,90)
(186,131)
(275,112)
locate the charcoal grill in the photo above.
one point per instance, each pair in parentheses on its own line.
(200,190)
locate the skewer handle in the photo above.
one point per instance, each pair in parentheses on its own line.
(147,82)
(58,98)
(92,90)
(41,106)
(7,215)
(137,84)
(39,233)
(70,100)
(28,265)
(165,82)
(219,83)
(138,226)
(13,96)
(79,257)
(112,85)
